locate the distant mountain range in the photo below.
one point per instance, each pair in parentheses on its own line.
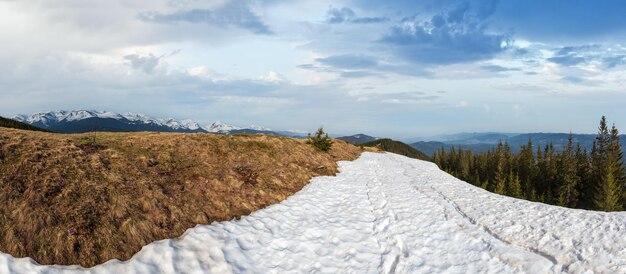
(358,139)
(463,137)
(478,142)
(80,121)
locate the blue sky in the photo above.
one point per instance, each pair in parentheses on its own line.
(386,68)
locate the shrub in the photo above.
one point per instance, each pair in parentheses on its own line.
(321,140)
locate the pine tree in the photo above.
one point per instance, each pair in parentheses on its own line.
(550,173)
(568,194)
(616,157)
(585,188)
(500,187)
(600,162)
(321,140)
(539,178)
(608,195)
(500,176)
(515,186)
(527,167)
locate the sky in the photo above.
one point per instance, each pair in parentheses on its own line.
(393,68)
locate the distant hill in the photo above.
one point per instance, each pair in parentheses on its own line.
(398,148)
(358,139)
(430,147)
(10,123)
(464,137)
(487,138)
(487,141)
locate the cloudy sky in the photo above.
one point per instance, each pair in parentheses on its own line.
(387,68)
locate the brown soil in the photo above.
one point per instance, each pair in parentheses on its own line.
(65,199)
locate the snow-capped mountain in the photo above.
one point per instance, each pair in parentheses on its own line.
(46,119)
(87,120)
(219,127)
(259,128)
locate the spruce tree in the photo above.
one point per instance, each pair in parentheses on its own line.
(550,173)
(500,187)
(600,161)
(568,194)
(608,195)
(585,188)
(617,156)
(500,176)
(527,168)
(515,186)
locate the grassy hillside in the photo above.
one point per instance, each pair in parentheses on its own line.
(398,148)
(67,200)
(9,123)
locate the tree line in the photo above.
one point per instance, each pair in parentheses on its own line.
(572,177)
(10,123)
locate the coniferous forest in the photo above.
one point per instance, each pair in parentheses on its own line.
(573,177)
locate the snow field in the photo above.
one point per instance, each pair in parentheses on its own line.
(385,213)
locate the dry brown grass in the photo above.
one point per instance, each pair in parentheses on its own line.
(66,201)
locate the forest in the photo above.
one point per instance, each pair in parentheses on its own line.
(572,177)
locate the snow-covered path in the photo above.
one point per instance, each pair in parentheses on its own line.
(386,213)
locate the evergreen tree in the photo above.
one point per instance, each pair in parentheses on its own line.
(501,174)
(616,157)
(515,186)
(585,188)
(599,164)
(321,140)
(608,195)
(568,194)
(549,174)
(527,167)
(500,187)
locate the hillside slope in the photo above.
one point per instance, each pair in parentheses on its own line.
(386,213)
(68,200)
(398,148)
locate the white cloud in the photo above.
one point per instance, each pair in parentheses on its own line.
(273,77)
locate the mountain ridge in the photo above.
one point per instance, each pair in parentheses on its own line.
(358,138)
(80,121)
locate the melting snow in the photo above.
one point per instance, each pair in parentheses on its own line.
(385,213)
